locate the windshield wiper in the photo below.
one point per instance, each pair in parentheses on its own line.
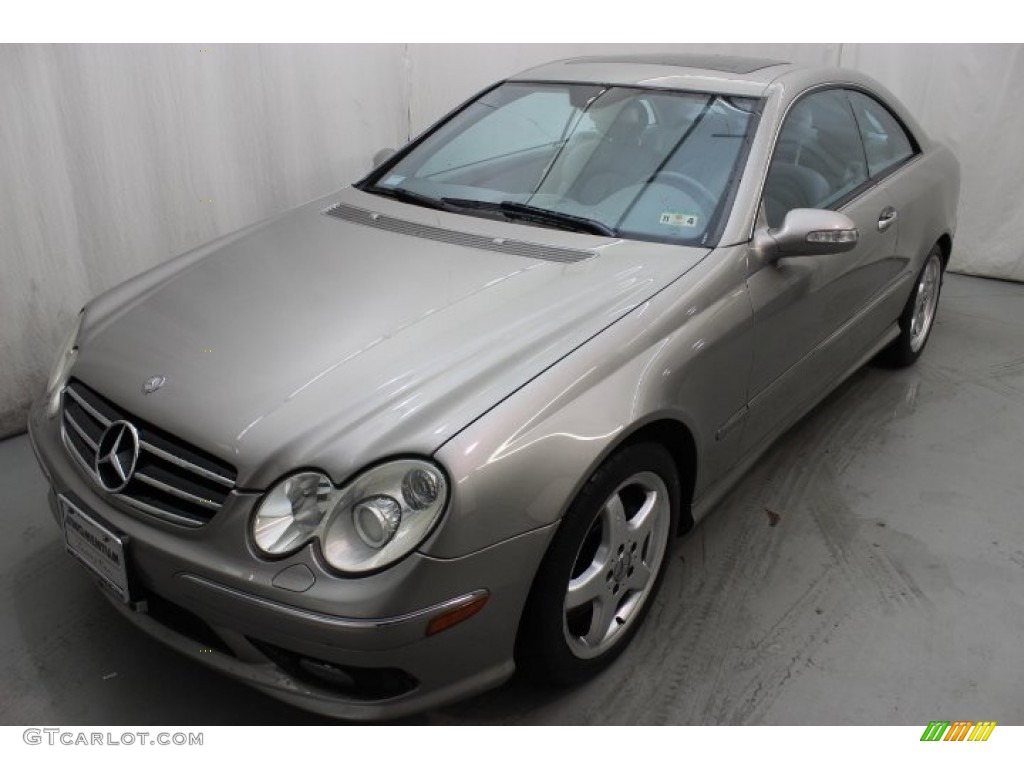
(515,210)
(509,208)
(467,203)
(546,216)
(408,196)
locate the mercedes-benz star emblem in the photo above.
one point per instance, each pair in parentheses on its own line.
(153,383)
(116,456)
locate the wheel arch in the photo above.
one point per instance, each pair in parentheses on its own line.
(668,432)
(678,440)
(945,242)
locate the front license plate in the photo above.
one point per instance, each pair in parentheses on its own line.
(97,547)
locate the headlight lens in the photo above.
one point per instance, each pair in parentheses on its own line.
(291,513)
(378,518)
(62,368)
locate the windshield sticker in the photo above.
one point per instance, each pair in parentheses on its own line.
(677,219)
(392,180)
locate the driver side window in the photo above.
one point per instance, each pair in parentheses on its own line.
(818,159)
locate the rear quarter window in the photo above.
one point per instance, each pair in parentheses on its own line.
(886,143)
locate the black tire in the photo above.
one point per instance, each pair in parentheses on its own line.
(908,346)
(551,646)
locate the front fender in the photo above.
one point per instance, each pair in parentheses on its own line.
(682,356)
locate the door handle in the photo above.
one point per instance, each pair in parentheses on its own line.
(887,218)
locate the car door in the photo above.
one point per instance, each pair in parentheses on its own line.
(808,310)
(891,151)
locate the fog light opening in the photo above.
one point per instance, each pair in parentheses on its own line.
(458,615)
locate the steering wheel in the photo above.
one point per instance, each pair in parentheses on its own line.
(690,186)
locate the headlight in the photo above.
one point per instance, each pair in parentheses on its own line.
(62,368)
(378,518)
(292,512)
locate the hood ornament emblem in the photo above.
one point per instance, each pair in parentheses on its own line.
(153,383)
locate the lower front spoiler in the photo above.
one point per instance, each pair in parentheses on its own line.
(271,679)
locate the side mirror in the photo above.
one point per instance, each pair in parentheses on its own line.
(807,232)
(382,156)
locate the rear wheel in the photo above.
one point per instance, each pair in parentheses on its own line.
(603,567)
(919,313)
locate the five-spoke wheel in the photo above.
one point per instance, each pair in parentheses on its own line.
(603,567)
(918,315)
(613,574)
(926,299)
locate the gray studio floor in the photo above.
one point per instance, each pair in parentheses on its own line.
(869,571)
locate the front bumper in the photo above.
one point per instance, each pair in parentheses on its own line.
(355,648)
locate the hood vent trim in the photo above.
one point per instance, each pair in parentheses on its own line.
(530,250)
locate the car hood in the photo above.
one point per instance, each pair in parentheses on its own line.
(312,341)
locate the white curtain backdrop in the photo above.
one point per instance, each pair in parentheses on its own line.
(971,98)
(115,158)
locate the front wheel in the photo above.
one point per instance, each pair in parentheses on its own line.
(603,567)
(918,315)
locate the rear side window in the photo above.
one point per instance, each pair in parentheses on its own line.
(886,143)
(818,159)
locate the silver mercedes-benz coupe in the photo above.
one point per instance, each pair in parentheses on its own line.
(375,453)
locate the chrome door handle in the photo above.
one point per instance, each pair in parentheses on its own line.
(886,218)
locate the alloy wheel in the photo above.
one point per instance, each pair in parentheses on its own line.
(617,565)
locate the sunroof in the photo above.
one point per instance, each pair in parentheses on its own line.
(736,65)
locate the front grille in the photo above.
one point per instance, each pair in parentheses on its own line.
(173,480)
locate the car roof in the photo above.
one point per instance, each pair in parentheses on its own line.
(714,73)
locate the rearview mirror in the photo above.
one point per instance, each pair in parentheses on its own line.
(808,232)
(382,156)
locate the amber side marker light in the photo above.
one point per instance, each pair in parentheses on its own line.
(456,615)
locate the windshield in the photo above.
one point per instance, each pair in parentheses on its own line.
(632,162)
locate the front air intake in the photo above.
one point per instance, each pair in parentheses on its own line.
(454,237)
